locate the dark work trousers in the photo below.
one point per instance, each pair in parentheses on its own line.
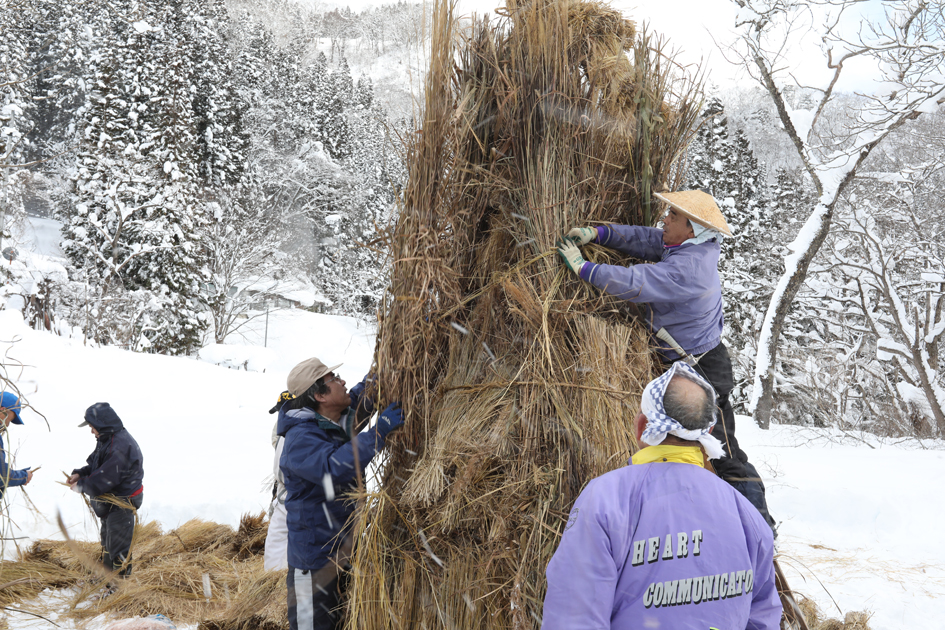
(314,599)
(118,527)
(716,366)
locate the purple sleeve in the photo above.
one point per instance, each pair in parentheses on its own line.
(634,240)
(765,603)
(676,279)
(586,269)
(582,575)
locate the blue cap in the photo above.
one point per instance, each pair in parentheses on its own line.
(11,402)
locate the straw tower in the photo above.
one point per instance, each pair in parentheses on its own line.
(518,381)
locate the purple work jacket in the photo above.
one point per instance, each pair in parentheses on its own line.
(681,292)
(662,545)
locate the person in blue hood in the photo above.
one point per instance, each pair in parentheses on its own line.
(681,296)
(323,455)
(10,412)
(113,479)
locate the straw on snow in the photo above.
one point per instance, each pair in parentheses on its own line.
(167,577)
(518,382)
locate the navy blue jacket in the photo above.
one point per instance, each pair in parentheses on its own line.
(116,465)
(315,447)
(8,476)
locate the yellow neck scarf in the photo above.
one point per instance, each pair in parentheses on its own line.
(678,454)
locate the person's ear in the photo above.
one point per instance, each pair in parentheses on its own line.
(639,426)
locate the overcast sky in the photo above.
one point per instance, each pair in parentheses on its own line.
(696,29)
(689,25)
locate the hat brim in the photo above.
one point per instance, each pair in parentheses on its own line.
(331,369)
(11,403)
(84,424)
(322,375)
(723,228)
(276,407)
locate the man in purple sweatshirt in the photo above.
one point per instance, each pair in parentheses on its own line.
(664,543)
(681,295)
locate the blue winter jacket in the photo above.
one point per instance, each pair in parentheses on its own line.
(662,545)
(9,478)
(116,465)
(316,447)
(681,292)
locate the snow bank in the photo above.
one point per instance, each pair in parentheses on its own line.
(238,356)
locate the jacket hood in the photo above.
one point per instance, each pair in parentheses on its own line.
(291,418)
(103,418)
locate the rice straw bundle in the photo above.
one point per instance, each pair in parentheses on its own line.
(518,381)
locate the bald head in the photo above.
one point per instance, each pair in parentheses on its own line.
(689,403)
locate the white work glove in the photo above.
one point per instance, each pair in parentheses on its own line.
(571,255)
(581,236)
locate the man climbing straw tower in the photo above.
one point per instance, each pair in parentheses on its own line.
(519,382)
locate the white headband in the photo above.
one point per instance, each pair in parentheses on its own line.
(703,234)
(659,424)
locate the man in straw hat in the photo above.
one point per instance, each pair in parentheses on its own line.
(682,295)
(10,412)
(663,543)
(320,465)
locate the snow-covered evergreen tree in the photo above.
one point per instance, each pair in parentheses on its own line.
(177,122)
(221,137)
(332,104)
(15,125)
(364,92)
(136,195)
(710,155)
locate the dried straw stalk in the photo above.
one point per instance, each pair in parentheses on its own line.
(518,381)
(167,578)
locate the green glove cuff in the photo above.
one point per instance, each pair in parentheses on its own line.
(571,255)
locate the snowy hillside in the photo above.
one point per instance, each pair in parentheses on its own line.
(855,513)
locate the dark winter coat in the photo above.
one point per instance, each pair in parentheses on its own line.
(9,477)
(316,447)
(116,465)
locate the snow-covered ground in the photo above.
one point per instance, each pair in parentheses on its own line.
(856,513)
(856,516)
(204,429)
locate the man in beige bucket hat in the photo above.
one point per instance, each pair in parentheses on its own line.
(324,453)
(682,297)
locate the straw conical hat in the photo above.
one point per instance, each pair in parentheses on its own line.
(697,206)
